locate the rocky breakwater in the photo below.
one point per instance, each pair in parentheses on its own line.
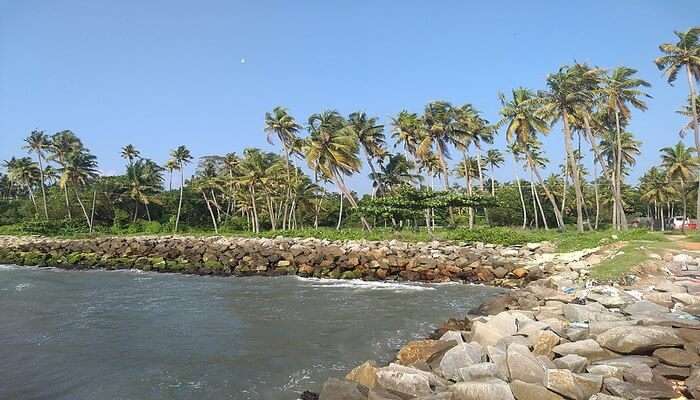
(555,339)
(384,260)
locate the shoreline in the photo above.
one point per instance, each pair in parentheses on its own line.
(559,337)
(494,265)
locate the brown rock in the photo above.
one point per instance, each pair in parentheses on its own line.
(676,357)
(528,391)
(544,342)
(365,374)
(421,350)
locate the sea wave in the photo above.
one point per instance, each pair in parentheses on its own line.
(368,285)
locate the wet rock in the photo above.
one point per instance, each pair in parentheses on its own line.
(528,391)
(336,389)
(573,386)
(638,339)
(487,389)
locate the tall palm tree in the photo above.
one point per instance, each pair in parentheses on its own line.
(130,153)
(397,172)
(567,89)
(64,143)
(687,111)
(523,121)
(439,133)
(170,165)
(145,181)
(493,160)
(406,132)
(79,169)
(655,189)
(280,123)
(370,135)
(39,143)
(685,53)
(621,89)
(681,166)
(182,156)
(24,172)
(516,151)
(332,151)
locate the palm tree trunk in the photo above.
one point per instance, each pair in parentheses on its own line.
(148,212)
(92,211)
(31,197)
(43,189)
(685,206)
(566,181)
(574,171)
(65,192)
(552,200)
(82,207)
(468,182)
(539,204)
(534,201)
(522,200)
(136,211)
(342,188)
(179,204)
(622,218)
(340,213)
(481,180)
(598,157)
(663,223)
(493,187)
(696,131)
(211,213)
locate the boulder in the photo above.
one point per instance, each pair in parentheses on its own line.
(336,389)
(499,326)
(543,343)
(528,391)
(638,339)
(588,348)
(573,386)
(670,372)
(606,371)
(628,361)
(658,389)
(455,336)
(603,396)
(460,356)
(498,357)
(479,371)
(421,350)
(408,381)
(572,362)
(382,394)
(645,308)
(523,365)
(676,357)
(588,312)
(487,389)
(365,374)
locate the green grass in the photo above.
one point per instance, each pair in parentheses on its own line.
(630,255)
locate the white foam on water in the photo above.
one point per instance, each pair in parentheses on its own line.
(368,285)
(20,287)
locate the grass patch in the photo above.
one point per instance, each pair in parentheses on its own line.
(630,255)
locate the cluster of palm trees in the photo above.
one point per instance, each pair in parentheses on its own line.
(589,104)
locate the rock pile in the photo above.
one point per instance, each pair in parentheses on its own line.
(551,341)
(382,260)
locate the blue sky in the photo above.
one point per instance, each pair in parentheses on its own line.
(163,73)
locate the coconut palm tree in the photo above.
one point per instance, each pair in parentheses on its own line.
(24,172)
(687,111)
(397,172)
(655,189)
(685,53)
(79,169)
(493,160)
(681,166)
(280,123)
(39,143)
(406,132)
(130,153)
(182,156)
(568,88)
(517,151)
(170,165)
(332,151)
(64,143)
(523,121)
(145,181)
(439,133)
(370,135)
(621,89)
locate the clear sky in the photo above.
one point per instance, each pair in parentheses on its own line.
(163,73)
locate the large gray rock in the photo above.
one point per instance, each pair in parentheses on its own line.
(606,371)
(529,391)
(498,326)
(573,386)
(633,390)
(595,328)
(406,380)
(588,348)
(676,357)
(628,361)
(479,371)
(588,312)
(572,362)
(603,396)
(498,357)
(336,389)
(638,339)
(645,308)
(382,394)
(460,356)
(487,389)
(523,365)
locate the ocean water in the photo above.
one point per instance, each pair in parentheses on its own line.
(135,335)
